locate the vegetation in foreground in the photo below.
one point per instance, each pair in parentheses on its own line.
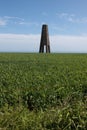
(43,91)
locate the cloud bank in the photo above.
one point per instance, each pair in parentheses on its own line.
(31,42)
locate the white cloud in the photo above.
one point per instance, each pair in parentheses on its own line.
(3,22)
(72,18)
(56,27)
(28,23)
(62,15)
(30,43)
(12,17)
(65,15)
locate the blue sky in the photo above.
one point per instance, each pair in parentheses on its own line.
(21,21)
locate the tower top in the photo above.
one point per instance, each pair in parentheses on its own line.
(44,25)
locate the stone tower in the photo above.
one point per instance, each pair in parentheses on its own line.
(44,42)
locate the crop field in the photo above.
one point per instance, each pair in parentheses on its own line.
(43,91)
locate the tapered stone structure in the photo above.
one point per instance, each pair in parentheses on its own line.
(44,42)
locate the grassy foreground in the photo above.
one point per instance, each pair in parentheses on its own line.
(43,91)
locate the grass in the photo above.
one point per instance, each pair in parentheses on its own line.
(43,91)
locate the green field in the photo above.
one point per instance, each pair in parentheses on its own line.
(43,91)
